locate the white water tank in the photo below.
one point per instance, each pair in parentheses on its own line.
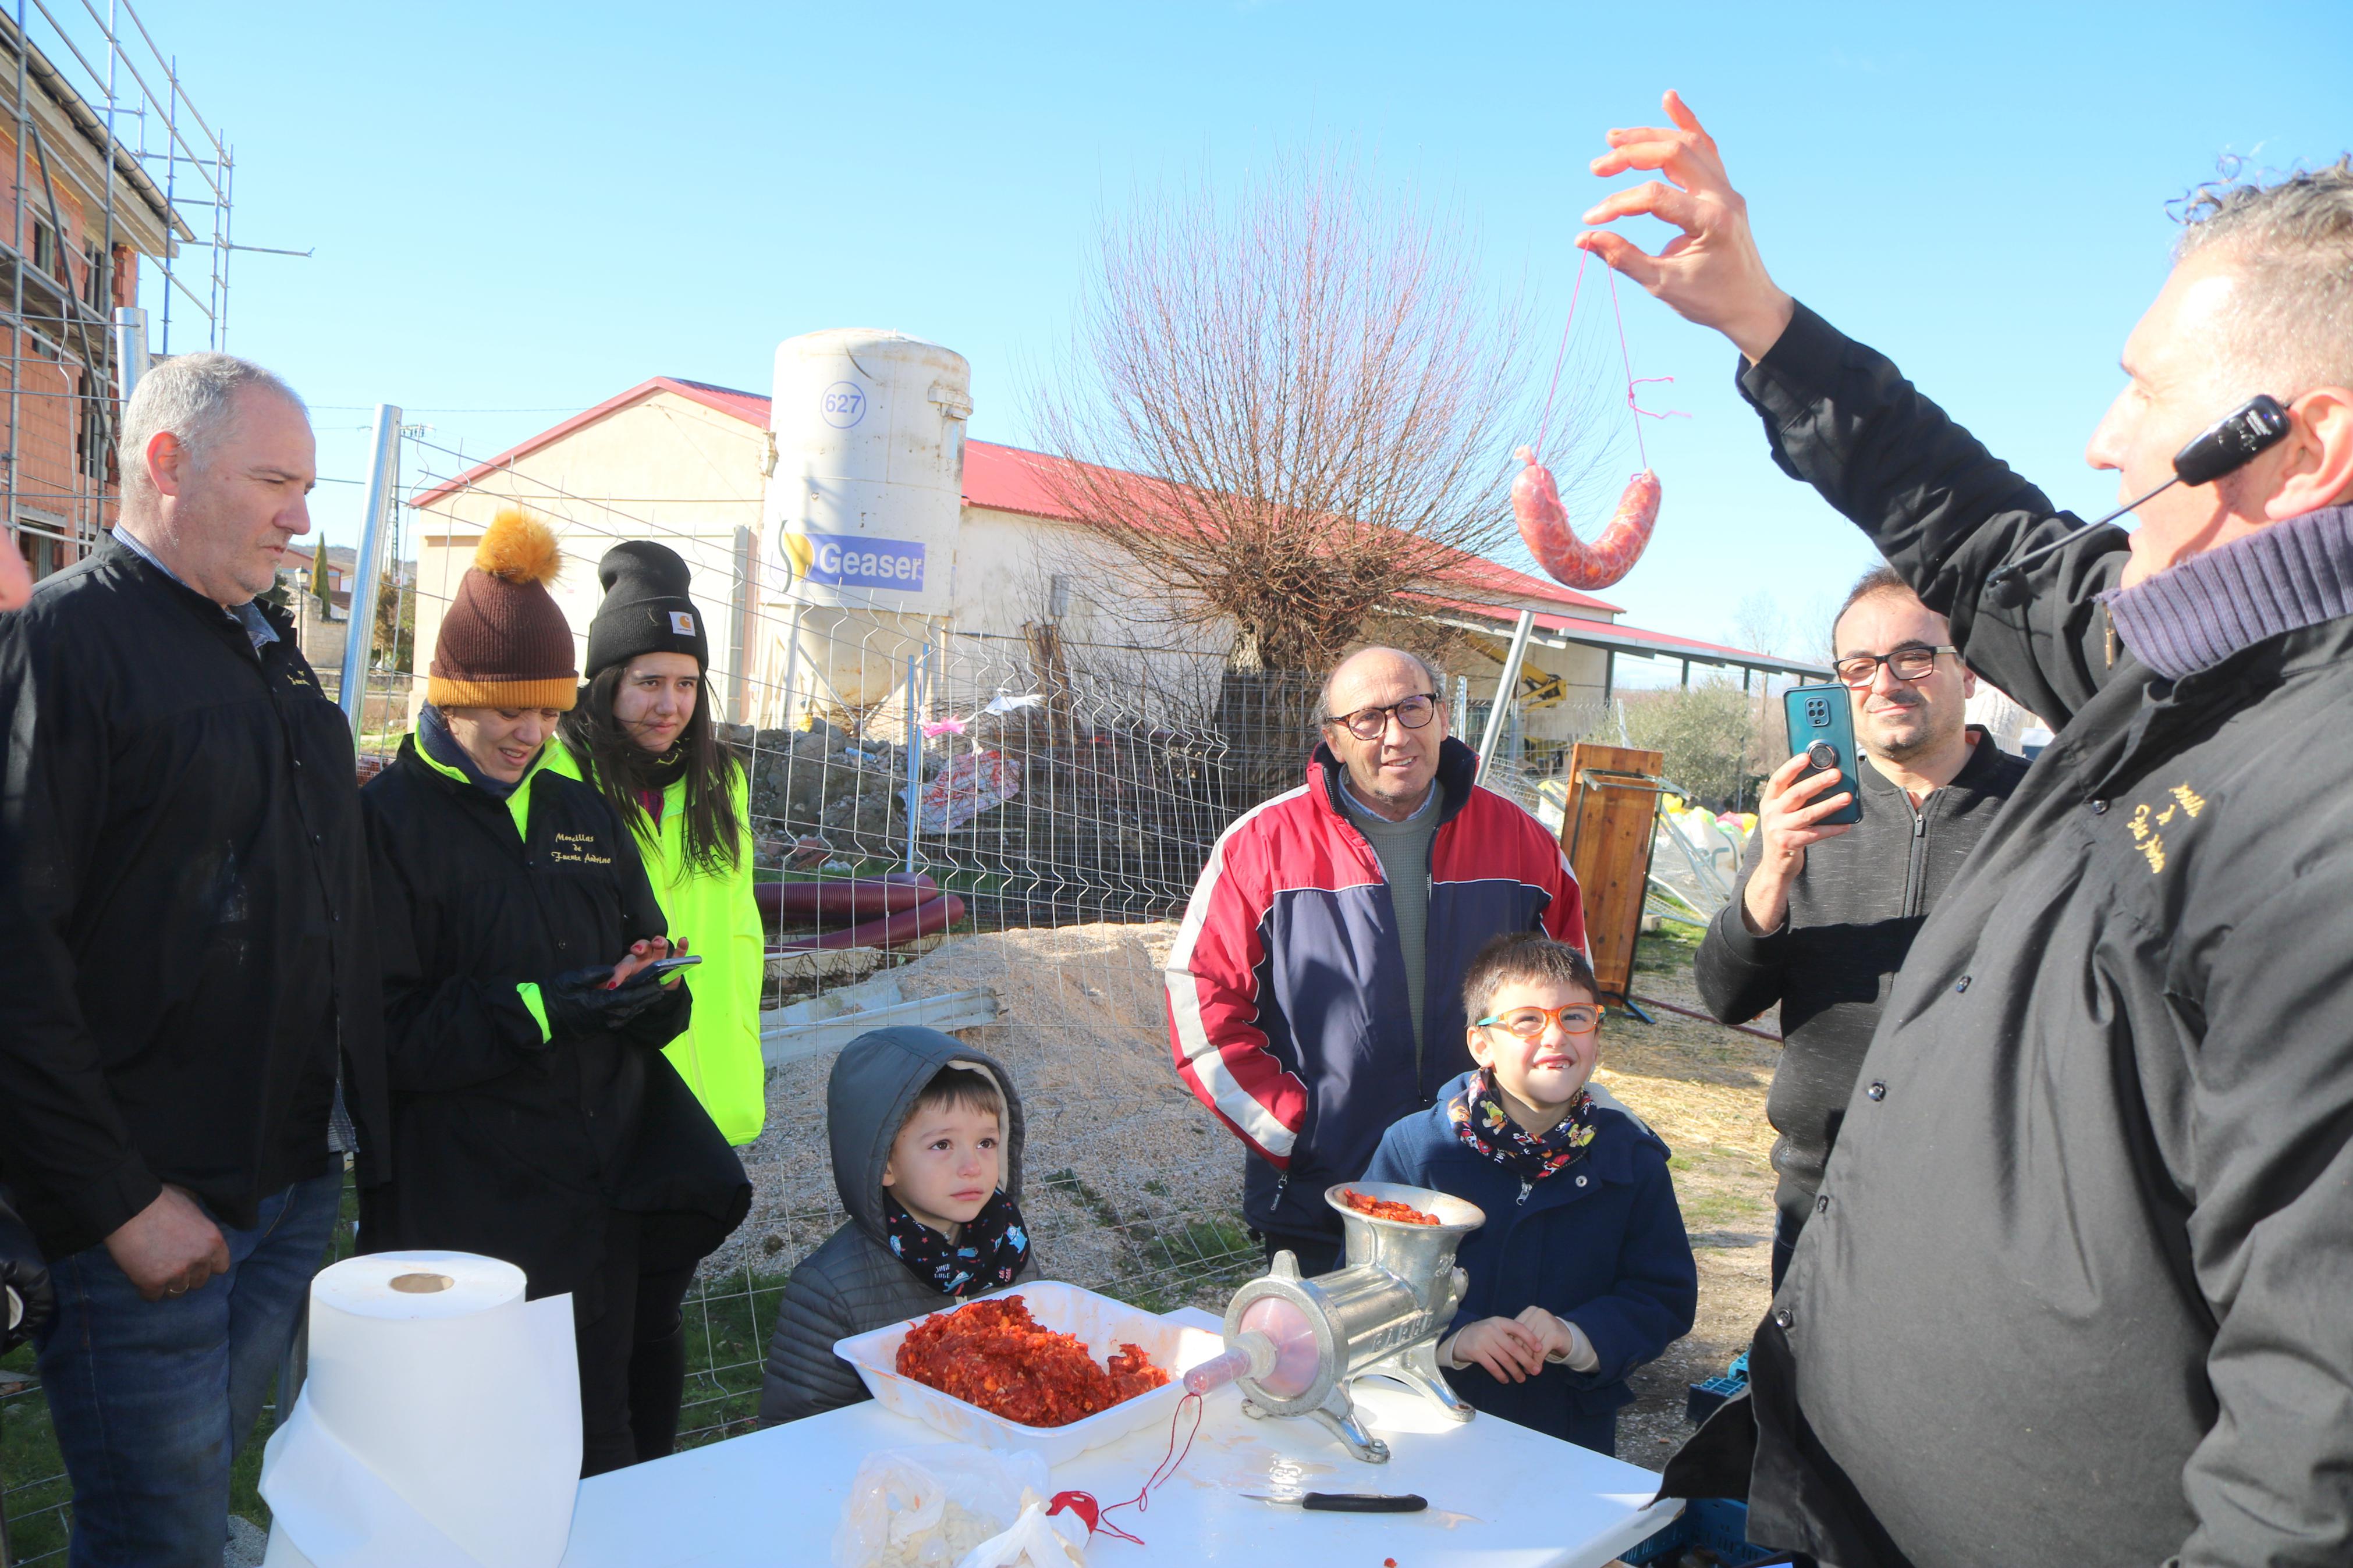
(867,495)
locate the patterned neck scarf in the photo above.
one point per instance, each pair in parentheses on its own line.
(990,1252)
(1481,1120)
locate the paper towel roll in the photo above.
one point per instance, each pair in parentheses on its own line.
(439,1423)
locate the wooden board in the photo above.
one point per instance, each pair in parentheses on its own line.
(1607,833)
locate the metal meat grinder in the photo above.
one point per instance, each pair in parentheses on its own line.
(1294,1345)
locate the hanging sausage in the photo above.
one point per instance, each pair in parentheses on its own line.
(1543,525)
(1536,498)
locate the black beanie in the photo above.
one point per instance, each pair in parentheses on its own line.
(645,608)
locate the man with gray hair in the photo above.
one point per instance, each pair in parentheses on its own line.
(185,962)
(1315,990)
(2075,1285)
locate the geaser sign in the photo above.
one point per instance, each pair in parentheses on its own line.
(857,562)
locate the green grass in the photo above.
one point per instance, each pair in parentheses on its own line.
(726,1340)
(1170,1263)
(1169,1260)
(29,1467)
(1667,949)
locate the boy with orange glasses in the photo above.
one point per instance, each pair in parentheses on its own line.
(1582,1271)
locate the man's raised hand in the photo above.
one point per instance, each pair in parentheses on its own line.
(1710,273)
(1789,812)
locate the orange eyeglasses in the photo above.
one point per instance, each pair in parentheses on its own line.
(1528,1023)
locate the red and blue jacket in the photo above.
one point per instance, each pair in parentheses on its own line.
(1287,1006)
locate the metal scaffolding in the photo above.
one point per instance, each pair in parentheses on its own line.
(118,209)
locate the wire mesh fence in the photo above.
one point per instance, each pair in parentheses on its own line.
(1044,801)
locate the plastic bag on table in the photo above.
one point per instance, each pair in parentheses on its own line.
(928,1507)
(1036,1541)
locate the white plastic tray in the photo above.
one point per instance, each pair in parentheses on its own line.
(1105,1324)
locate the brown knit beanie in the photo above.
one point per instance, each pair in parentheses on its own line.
(504,642)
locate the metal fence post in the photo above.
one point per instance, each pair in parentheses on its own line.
(361,640)
(914,758)
(129,364)
(792,665)
(1505,688)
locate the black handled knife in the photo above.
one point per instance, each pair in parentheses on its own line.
(1345,1502)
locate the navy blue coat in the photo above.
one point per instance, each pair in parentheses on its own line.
(1600,1242)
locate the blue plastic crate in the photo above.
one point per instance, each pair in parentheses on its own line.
(1715,1523)
(1700,1402)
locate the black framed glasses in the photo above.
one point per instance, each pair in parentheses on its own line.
(1913,661)
(1371,723)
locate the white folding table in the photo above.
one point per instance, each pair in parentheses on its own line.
(1500,1495)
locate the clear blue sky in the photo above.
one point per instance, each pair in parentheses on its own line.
(533,207)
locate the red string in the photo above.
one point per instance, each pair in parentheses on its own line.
(1626,357)
(1171,1462)
(1544,425)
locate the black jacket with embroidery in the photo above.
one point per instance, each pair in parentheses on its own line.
(184,938)
(505,1141)
(2078,1291)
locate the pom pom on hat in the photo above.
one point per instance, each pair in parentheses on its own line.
(518,548)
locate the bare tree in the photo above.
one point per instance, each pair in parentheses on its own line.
(1283,411)
(1757,623)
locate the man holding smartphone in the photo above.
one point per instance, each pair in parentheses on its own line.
(2075,1288)
(1825,912)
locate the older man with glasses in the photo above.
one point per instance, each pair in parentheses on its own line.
(1821,927)
(1315,991)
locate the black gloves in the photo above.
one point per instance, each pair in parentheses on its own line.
(578,1003)
(27,1299)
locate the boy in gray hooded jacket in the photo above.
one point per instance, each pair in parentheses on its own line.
(926,1140)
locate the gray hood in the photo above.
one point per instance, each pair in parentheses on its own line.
(874,1085)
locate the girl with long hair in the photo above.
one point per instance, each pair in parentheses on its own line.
(641,736)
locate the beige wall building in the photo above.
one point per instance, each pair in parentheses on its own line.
(685,463)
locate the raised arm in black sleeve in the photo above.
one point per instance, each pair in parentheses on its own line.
(1944,511)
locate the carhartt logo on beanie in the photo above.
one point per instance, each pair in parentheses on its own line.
(504,643)
(646,609)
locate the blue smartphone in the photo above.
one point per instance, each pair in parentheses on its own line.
(1822,729)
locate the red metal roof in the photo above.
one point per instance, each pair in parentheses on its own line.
(1630,640)
(1003,478)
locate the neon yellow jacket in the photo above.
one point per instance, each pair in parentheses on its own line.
(719,1055)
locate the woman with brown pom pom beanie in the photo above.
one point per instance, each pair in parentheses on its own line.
(535,1118)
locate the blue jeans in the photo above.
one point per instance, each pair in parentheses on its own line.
(150,1399)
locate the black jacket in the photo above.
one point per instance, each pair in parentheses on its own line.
(1853,912)
(507,1143)
(853,1282)
(183,908)
(2079,1293)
